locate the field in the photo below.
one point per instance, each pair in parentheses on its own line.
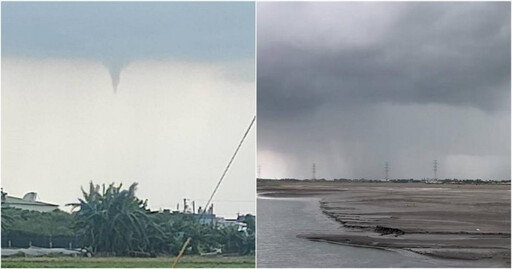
(126,262)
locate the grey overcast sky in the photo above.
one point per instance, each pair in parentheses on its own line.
(349,86)
(118,33)
(185,97)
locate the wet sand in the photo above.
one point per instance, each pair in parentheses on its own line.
(442,220)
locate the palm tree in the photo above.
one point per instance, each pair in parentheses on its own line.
(112,221)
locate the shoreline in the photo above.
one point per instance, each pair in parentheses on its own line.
(372,224)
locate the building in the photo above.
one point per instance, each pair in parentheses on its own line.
(239,222)
(209,219)
(28,202)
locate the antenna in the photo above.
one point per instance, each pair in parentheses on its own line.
(314,171)
(386,170)
(435,169)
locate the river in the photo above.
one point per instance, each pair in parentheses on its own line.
(280,220)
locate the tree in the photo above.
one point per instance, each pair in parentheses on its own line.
(7,219)
(113,221)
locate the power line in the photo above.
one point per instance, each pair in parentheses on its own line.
(176,261)
(386,170)
(229,164)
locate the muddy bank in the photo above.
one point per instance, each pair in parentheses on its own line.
(447,221)
(467,249)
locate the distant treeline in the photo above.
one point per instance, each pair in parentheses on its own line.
(112,221)
(404,180)
(23,228)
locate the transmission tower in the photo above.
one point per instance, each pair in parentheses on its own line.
(435,169)
(386,171)
(314,171)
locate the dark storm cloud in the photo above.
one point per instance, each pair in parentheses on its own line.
(352,85)
(449,53)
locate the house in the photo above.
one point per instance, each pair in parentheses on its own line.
(28,202)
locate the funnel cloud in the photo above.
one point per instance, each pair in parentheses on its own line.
(115,73)
(118,33)
(183,77)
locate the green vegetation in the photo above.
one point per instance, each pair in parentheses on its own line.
(128,262)
(111,221)
(17,222)
(114,220)
(7,221)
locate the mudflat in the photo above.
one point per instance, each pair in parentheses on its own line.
(458,221)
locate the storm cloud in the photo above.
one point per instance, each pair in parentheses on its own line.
(352,85)
(117,34)
(186,95)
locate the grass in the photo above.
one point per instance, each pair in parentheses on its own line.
(127,262)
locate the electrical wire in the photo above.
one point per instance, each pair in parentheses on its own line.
(229,165)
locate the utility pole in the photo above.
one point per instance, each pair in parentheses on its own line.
(386,171)
(314,171)
(185,206)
